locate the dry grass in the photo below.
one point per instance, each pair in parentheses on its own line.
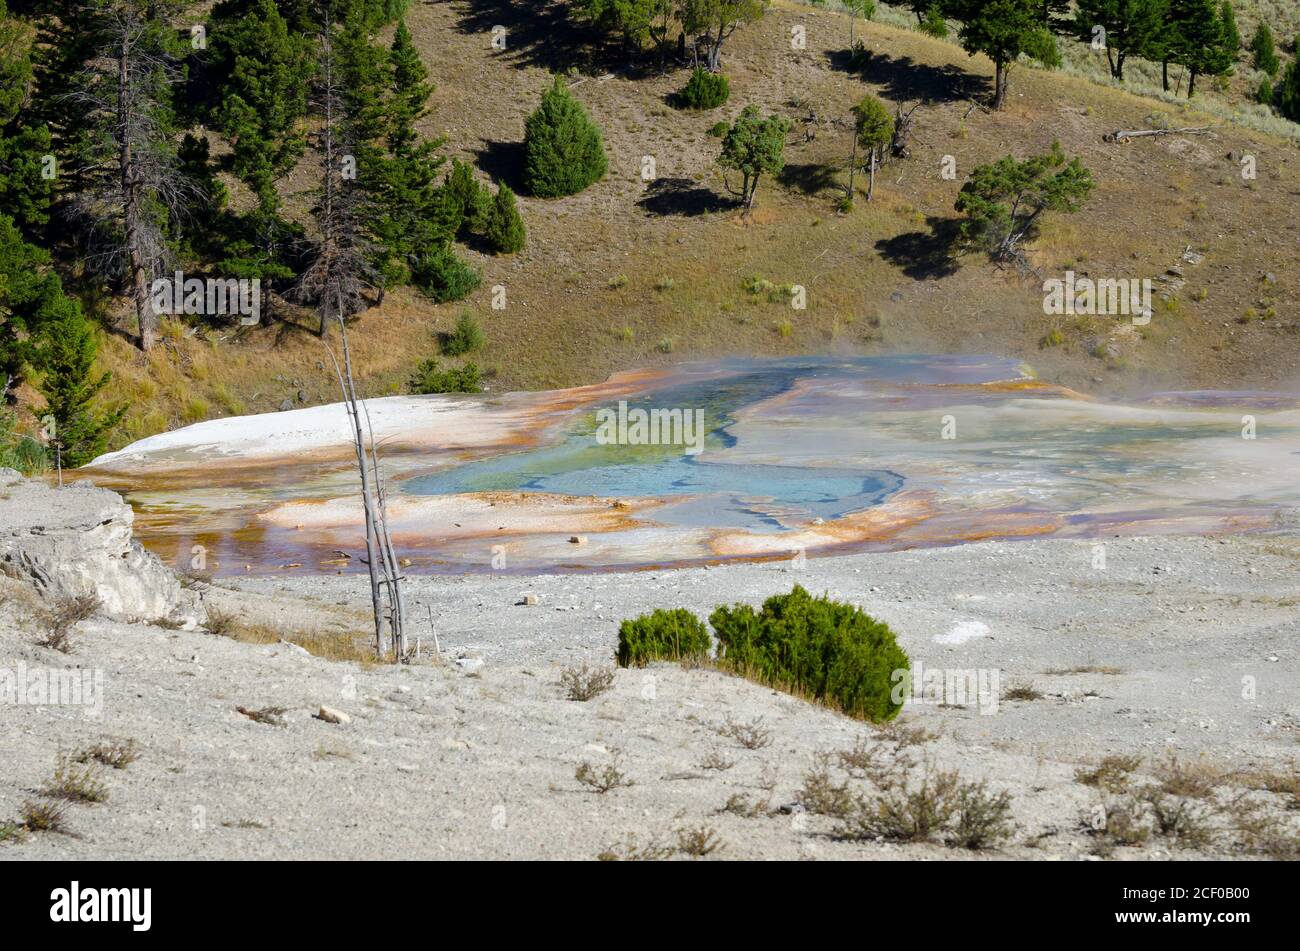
(61,619)
(75,782)
(44,816)
(271,716)
(355,648)
(716,761)
(1022,690)
(1112,773)
(698,841)
(116,755)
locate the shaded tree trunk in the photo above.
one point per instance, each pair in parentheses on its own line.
(1000,83)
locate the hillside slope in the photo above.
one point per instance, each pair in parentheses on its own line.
(632,274)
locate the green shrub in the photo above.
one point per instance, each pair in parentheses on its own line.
(663,635)
(505,228)
(466,338)
(719,128)
(934,24)
(563,152)
(429,379)
(1264,94)
(705,90)
(443,276)
(18,451)
(829,650)
(466,203)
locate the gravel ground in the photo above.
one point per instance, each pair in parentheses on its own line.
(1155,653)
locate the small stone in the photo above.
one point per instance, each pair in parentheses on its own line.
(577,539)
(286,405)
(330,715)
(528,600)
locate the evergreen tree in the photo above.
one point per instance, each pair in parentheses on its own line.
(31,297)
(1004,30)
(1286,95)
(874,128)
(1231,35)
(70,386)
(1130,27)
(414,215)
(24,191)
(563,152)
(505,228)
(1198,40)
(1263,50)
(1004,201)
(754,146)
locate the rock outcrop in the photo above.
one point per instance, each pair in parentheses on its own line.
(76,541)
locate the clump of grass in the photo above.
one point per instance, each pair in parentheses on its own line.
(602,779)
(698,841)
(62,618)
(632,850)
(716,761)
(1084,669)
(356,648)
(1180,818)
(665,284)
(1022,690)
(74,782)
(583,683)
(739,804)
(751,734)
(784,329)
(617,281)
(1119,821)
(904,735)
(12,832)
(665,345)
(467,336)
(981,818)
(271,716)
(44,816)
(903,814)
(112,755)
(1112,773)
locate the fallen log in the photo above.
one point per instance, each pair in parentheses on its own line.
(1120,135)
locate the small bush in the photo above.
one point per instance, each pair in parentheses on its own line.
(583,683)
(826,649)
(698,842)
(429,379)
(705,90)
(466,338)
(980,818)
(751,734)
(719,129)
(934,24)
(601,778)
(271,716)
(662,635)
(60,620)
(1111,774)
(443,277)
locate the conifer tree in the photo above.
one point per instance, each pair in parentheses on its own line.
(1130,27)
(70,386)
(505,228)
(563,152)
(1263,50)
(1004,30)
(24,141)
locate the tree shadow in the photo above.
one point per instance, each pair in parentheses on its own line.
(683,197)
(538,33)
(503,162)
(810,178)
(925,255)
(903,78)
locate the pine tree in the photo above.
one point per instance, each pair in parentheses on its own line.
(1286,95)
(1263,50)
(31,296)
(1130,27)
(505,228)
(1231,35)
(1004,30)
(874,129)
(24,141)
(413,216)
(563,152)
(754,146)
(70,386)
(1198,41)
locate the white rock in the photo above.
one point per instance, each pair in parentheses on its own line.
(330,715)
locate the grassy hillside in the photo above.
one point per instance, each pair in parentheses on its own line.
(631,274)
